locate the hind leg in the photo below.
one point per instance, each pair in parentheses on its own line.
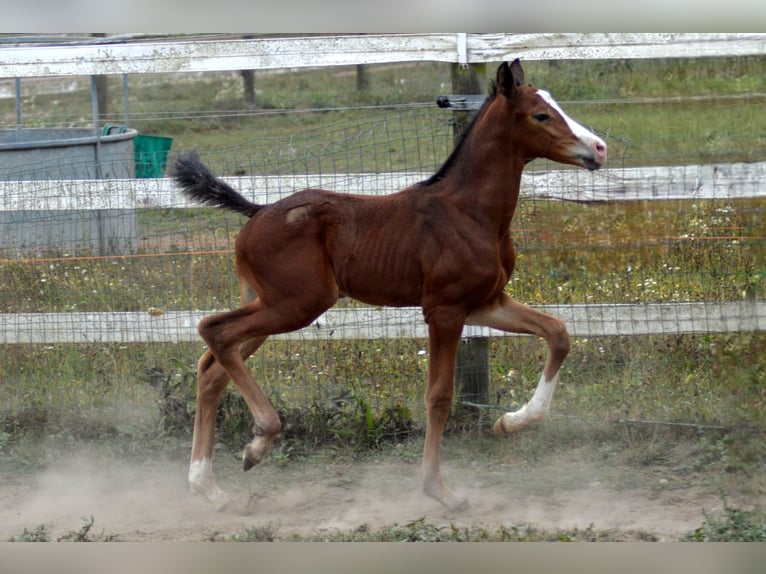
(231,337)
(222,333)
(211,382)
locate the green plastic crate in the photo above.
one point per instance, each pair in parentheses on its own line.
(151,155)
(150,152)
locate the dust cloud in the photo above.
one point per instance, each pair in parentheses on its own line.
(149,501)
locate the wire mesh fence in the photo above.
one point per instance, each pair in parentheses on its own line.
(95,283)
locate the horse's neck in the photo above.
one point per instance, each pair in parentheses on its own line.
(488,183)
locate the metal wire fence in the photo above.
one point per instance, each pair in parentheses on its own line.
(90,281)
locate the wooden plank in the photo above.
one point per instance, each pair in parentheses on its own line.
(384,323)
(555,46)
(719,181)
(161,192)
(202,55)
(175,56)
(710,181)
(654,318)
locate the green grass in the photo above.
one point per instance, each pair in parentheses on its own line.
(736,525)
(424,531)
(717,117)
(567,253)
(362,394)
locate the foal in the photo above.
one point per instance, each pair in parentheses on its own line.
(443,244)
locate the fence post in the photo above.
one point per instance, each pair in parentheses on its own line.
(102,87)
(248,82)
(362,79)
(472,374)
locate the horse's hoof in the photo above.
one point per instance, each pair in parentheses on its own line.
(213,494)
(449,499)
(500,426)
(458,505)
(225,504)
(254,453)
(512,422)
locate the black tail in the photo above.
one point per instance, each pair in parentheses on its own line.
(199,184)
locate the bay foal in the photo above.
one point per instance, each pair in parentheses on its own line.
(443,244)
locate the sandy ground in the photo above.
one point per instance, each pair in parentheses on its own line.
(578,487)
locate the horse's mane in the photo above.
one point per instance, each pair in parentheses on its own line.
(447,165)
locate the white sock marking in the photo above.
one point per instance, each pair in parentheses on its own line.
(534,410)
(201,481)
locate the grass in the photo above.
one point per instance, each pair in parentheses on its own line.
(735,525)
(361,394)
(626,252)
(422,530)
(716,115)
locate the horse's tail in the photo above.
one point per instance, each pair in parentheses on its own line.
(199,184)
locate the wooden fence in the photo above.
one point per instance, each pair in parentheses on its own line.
(157,326)
(714,181)
(209,53)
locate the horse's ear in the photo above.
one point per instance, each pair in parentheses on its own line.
(509,77)
(518,73)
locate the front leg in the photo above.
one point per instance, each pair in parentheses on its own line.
(509,315)
(444,329)
(535,409)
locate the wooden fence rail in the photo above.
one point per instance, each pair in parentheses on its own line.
(714,181)
(383,323)
(201,54)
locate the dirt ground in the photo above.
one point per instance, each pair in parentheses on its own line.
(561,489)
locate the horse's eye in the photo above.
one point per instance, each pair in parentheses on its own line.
(541,117)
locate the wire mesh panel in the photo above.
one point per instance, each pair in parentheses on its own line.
(658,272)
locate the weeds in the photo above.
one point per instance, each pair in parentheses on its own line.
(735,525)
(84,534)
(266,533)
(422,530)
(351,423)
(342,420)
(38,534)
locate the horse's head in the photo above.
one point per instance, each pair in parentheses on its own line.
(541,127)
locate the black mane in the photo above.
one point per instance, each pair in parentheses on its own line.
(441,173)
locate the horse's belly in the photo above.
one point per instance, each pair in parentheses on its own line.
(379,286)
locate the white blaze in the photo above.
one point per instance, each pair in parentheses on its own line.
(585,135)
